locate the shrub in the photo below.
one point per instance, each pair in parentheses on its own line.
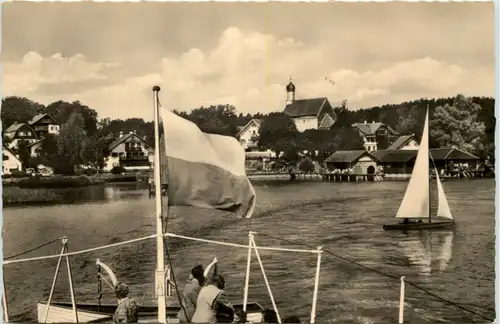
(57,182)
(306,165)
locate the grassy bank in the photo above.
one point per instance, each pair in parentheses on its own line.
(13,196)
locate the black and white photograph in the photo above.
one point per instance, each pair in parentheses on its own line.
(248,162)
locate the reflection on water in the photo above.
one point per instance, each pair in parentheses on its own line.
(429,251)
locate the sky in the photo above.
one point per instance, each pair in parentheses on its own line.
(110,55)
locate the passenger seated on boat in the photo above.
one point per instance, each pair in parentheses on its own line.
(269,316)
(127,310)
(213,304)
(190,293)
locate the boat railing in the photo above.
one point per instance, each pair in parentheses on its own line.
(251,246)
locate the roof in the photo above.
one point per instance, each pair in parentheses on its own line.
(401,141)
(452,154)
(305,107)
(347,156)
(38,117)
(256,121)
(37,142)
(15,127)
(122,139)
(404,156)
(6,149)
(395,156)
(371,128)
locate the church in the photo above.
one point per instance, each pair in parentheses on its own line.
(316,113)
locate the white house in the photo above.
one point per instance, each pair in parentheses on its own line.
(405,142)
(43,125)
(10,162)
(316,113)
(130,152)
(249,135)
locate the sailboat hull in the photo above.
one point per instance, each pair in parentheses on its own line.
(417,226)
(62,312)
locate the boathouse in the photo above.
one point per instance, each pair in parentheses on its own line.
(360,161)
(446,157)
(396,161)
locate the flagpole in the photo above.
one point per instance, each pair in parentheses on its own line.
(160,253)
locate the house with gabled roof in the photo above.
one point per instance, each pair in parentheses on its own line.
(19,132)
(315,113)
(10,161)
(376,135)
(43,124)
(130,152)
(248,135)
(405,142)
(360,161)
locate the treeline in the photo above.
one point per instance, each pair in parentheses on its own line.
(467,123)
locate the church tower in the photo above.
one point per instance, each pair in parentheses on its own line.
(290,93)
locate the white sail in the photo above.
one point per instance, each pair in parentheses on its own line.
(415,203)
(443,207)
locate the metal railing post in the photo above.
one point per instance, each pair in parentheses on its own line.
(70,278)
(4,301)
(265,280)
(402,300)
(316,285)
(54,281)
(247,276)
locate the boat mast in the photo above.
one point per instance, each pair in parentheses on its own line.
(428,155)
(160,254)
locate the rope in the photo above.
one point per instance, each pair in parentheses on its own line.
(386,275)
(81,251)
(34,249)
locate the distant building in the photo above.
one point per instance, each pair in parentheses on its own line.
(248,135)
(35,147)
(19,132)
(376,136)
(307,114)
(10,162)
(130,152)
(43,125)
(403,161)
(405,142)
(360,161)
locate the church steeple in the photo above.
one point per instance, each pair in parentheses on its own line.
(290,92)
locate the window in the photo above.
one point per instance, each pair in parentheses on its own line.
(29,133)
(5,157)
(21,133)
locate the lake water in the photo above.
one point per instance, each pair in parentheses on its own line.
(346,218)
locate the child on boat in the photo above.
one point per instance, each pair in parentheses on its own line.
(127,310)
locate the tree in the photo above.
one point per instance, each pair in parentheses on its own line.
(220,119)
(72,143)
(457,125)
(48,152)
(61,111)
(24,153)
(18,109)
(277,131)
(306,165)
(347,138)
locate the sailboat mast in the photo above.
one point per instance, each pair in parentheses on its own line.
(160,254)
(428,163)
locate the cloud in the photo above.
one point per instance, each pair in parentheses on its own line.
(244,68)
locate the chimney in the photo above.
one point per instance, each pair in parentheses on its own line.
(373,122)
(131,132)
(366,122)
(121,134)
(145,138)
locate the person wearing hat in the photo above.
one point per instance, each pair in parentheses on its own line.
(127,310)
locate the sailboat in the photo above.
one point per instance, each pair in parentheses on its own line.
(415,209)
(229,188)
